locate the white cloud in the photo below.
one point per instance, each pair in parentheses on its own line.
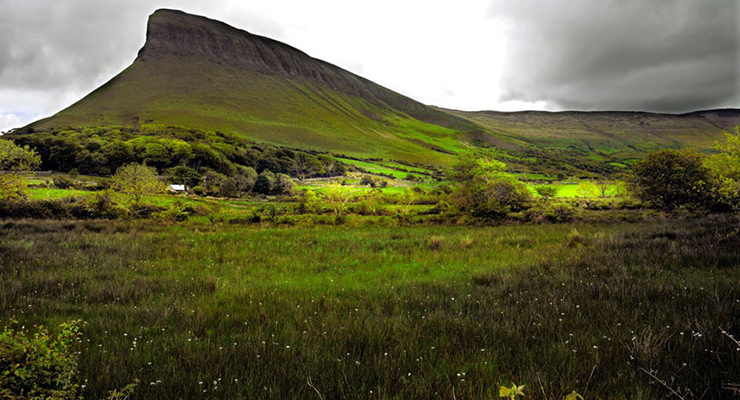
(9,121)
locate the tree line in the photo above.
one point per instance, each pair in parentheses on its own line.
(102,150)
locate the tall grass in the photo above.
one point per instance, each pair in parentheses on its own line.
(237,312)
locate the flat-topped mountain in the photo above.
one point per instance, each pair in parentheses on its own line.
(194,72)
(200,73)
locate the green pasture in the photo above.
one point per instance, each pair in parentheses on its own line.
(375,168)
(227,311)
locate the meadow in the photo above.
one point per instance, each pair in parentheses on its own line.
(617,311)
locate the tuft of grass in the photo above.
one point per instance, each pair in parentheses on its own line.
(436,243)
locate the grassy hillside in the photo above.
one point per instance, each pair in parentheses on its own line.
(622,135)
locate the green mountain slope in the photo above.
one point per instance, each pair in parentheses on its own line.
(622,135)
(200,73)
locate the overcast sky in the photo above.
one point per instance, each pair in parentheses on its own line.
(652,55)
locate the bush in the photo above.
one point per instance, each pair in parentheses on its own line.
(485,191)
(62,182)
(559,213)
(100,207)
(42,366)
(367,180)
(670,179)
(547,192)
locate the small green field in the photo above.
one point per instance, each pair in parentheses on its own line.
(572,190)
(384,168)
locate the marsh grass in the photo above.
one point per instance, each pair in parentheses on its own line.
(230,311)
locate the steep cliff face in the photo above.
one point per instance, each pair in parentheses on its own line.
(178,34)
(175,33)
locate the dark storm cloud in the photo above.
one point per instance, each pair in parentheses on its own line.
(49,45)
(76,45)
(658,55)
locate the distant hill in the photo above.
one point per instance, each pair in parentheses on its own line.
(621,134)
(194,72)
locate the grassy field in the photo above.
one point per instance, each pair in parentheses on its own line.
(385,168)
(571,190)
(229,311)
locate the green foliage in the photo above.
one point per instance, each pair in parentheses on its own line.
(62,182)
(485,191)
(337,197)
(310,202)
(511,392)
(264,183)
(669,179)
(176,151)
(245,179)
(17,158)
(367,180)
(14,159)
(574,396)
(41,366)
(137,180)
(183,175)
(725,166)
(12,186)
(283,185)
(587,190)
(547,192)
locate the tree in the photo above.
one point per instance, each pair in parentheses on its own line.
(227,187)
(264,183)
(283,184)
(547,192)
(245,179)
(137,180)
(310,202)
(587,190)
(367,180)
(183,175)
(14,159)
(485,191)
(337,198)
(725,166)
(118,154)
(669,179)
(211,182)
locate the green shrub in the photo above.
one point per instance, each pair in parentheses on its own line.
(367,180)
(485,191)
(42,366)
(62,182)
(670,179)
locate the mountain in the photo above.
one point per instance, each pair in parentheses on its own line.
(197,73)
(200,73)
